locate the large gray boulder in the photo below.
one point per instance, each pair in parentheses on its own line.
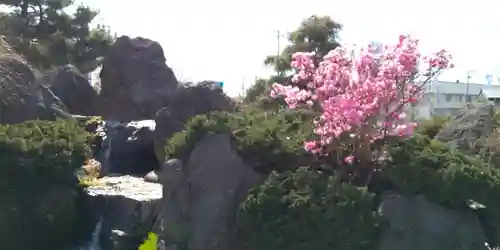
(416,224)
(135,80)
(201,196)
(23,96)
(73,89)
(126,209)
(190,100)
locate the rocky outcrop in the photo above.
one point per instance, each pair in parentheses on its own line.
(24,96)
(202,196)
(465,130)
(128,148)
(128,207)
(135,81)
(415,224)
(74,89)
(190,100)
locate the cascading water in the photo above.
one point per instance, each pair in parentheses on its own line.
(94,243)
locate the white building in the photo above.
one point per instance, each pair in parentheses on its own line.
(446,98)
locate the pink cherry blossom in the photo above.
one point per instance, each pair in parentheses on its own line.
(363,96)
(349,159)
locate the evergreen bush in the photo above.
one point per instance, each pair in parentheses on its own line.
(447,177)
(305,209)
(297,208)
(431,127)
(39,188)
(269,140)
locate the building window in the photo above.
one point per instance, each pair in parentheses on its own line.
(448,97)
(468,98)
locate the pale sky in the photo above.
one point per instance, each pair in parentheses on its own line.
(228,40)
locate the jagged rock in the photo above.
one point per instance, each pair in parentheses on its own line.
(202,196)
(135,81)
(129,209)
(190,100)
(415,224)
(23,95)
(74,89)
(128,148)
(466,129)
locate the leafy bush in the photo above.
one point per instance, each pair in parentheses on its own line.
(305,209)
(300,209)
(266,139)
(431,127)
(39,189)
(447,177)
(450,177)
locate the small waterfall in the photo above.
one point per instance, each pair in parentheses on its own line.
(94,243)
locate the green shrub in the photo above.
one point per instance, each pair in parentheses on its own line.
(431,127)
(266,139)
(39,189)
(447,177)
(304,210)
(299,209)
(450,177)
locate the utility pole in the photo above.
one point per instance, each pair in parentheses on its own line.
(467,99)
(278,36)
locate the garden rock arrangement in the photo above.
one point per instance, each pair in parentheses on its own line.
(127,148)
(128,209)
(23,94)
(436,227)
(180,160)
(135,81)
(73,89)
(201,195)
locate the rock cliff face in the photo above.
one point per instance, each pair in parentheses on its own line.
(135,81)
(74,90)
(24,96)
(415,223)
(128,148)
(201,196)
(128,209)
(190,100)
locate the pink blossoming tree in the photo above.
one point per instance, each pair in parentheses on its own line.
(360,100)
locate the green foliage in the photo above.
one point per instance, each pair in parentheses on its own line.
(150,243)
(48,36)
(305,209)
(317,34)
(39,189)
(267,139)
(431,127)
(429,167)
